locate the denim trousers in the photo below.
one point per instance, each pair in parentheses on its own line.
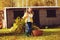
(28,28)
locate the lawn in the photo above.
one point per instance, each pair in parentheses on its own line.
(47,35)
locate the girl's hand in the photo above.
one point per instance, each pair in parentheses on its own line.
(26,16)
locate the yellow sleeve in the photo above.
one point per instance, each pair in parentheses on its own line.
(25,14)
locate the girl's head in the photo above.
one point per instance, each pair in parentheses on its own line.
(29,9)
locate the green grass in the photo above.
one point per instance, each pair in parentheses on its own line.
(45,36)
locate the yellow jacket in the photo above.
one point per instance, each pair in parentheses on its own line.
(28,17)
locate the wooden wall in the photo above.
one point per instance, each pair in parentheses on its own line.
(10,18)
(44,20)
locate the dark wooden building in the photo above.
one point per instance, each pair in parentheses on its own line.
(43,16)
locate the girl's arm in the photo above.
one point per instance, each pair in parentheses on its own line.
(25,16)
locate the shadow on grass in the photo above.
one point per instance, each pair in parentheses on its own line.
(50,33)
(22,34)
(11,34)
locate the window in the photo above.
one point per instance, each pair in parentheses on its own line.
(18,13)
(51,13)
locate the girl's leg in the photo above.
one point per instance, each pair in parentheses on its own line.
(26,29)
(30,28)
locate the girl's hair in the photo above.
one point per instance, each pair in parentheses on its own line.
(28,11)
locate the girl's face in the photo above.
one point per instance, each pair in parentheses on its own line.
(30,9)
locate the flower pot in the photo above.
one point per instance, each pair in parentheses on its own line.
(37,32)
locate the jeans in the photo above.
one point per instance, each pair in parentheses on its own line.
(28,28)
